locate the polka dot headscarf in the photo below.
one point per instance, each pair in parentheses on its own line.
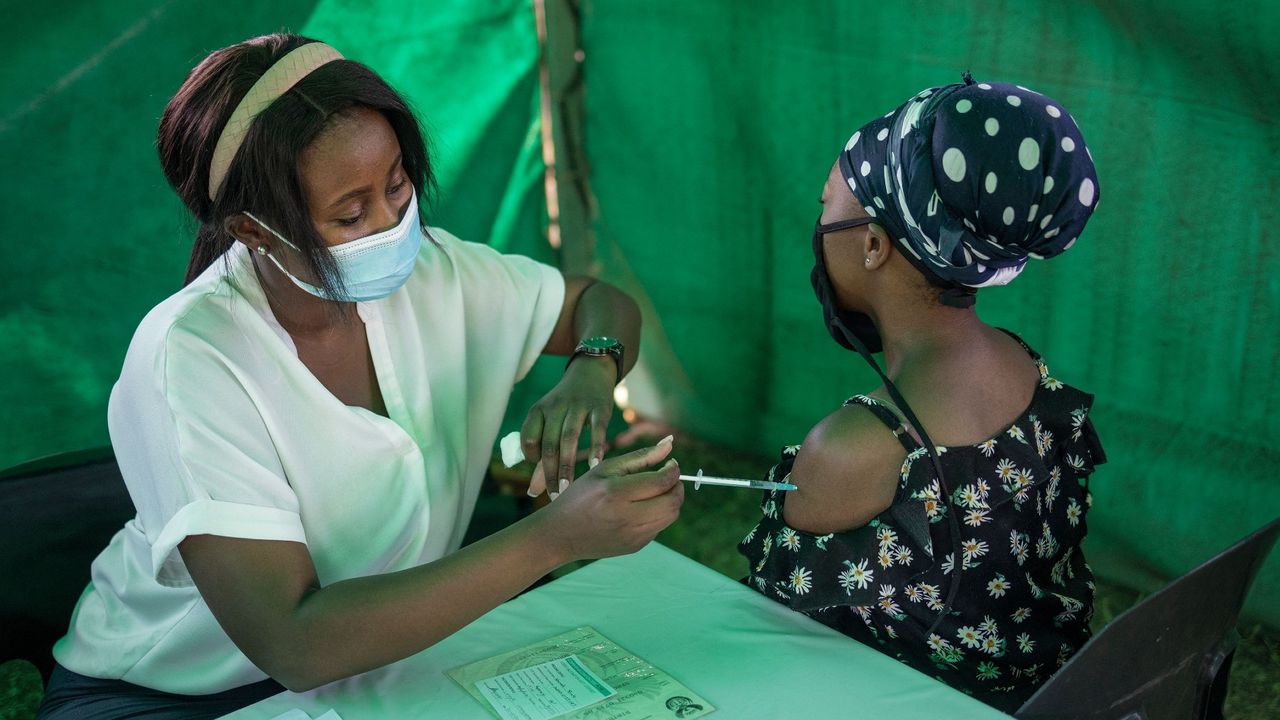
(974,179)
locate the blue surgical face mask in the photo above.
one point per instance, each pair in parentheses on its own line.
(371,267)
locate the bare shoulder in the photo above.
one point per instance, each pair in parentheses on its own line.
(846,472)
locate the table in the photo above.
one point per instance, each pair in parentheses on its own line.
(747,655)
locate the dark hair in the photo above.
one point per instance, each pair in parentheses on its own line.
(263,177)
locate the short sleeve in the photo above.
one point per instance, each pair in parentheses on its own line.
(511,302)
(1080,449)
(194,451)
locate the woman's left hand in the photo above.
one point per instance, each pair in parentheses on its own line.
(551,430)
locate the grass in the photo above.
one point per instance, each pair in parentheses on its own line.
(715,519)
(20,690)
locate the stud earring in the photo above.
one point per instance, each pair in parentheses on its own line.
(868,260)
(262,250)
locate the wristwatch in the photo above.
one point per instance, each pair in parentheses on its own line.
(600,346)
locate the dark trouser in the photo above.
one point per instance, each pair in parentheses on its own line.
(71,696)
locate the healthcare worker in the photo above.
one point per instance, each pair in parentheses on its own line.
(305,426)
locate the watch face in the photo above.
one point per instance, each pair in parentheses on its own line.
(600,343)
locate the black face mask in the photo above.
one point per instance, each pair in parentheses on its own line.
(857,324)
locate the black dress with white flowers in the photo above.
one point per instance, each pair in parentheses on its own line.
(1026,593)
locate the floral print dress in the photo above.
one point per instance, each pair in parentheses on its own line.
(1026,593)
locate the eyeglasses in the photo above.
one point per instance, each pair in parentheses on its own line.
(842,224)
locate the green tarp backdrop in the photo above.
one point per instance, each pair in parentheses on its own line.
(710,127)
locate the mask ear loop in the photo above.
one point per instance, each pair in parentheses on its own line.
(304,285)
(954,588)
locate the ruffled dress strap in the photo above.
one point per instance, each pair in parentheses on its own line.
(887,416)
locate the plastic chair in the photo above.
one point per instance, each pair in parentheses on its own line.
(1166,658)
(56,515)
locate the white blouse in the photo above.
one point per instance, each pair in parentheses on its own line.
(220,429)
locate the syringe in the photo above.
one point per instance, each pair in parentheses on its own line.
(700,480)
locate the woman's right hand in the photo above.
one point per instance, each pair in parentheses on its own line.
(618,506)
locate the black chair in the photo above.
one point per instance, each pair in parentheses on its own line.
(1166,658)
(56,515)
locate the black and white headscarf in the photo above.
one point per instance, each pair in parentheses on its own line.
(973,179)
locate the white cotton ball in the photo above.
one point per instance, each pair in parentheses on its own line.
(510,447)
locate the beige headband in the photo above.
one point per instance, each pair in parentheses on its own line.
(276,81)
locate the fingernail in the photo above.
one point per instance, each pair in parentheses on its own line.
(531,493)
(592,462)
(666,440)
(553,496)
(564,485)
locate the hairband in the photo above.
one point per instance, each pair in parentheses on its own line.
(276,81)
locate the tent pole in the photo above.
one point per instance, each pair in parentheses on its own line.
(569,201)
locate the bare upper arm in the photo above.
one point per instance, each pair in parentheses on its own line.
(563,340)
(846,472)
(252,587)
